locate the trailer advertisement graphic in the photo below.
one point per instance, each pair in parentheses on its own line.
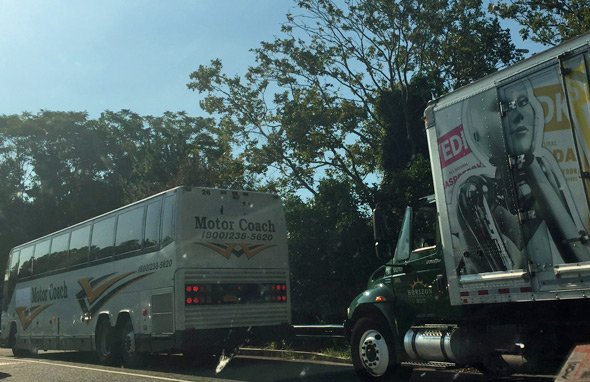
(452,146)
(510,161)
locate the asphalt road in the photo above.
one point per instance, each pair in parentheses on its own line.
(73,366)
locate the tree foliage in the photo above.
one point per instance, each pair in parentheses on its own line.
(331,107)
(546,22)
(329,266)
(309,109)
(61,168)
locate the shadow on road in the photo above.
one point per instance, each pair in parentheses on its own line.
(258,369)
(240,368)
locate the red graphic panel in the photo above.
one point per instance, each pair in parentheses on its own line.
(452,146)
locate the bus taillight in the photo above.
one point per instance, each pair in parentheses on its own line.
(279,292)
(192,294)
(221,293)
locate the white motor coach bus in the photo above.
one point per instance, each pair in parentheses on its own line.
(189,270)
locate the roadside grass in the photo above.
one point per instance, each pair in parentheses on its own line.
(337,352)
(331,347)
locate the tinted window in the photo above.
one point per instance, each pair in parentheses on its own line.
(129,229)
(79,245)
(402,249)
(26,262)
(103,239)
(14,262)
(12,265)
(168,221)
(42,260)
(152,224)
(59,251)
(10,279)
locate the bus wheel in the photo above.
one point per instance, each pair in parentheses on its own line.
(131,357)
(19,353)
(104,342)
(372,350)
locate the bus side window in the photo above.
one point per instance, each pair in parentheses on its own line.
(129,226)
(103,239)
(168,221)
(59,251)
(41,257)
(152,224)
(26,262)
(79,246)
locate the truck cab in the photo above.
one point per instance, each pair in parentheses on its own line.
(408,289)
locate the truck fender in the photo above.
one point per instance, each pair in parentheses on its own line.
(378,302)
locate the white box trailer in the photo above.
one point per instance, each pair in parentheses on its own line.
(495,267)
(510,156)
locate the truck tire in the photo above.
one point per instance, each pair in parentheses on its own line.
(105,342)
(494,366)
(372,350)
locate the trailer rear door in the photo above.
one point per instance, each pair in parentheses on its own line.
(545,167)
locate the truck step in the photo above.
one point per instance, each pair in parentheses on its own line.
(430,364)
(434,327)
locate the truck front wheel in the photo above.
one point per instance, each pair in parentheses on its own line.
(372,349)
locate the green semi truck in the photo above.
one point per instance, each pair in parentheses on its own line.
(493,271)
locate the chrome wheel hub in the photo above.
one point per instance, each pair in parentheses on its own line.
(374,352)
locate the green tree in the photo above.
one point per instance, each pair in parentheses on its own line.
(329,265)
(308,108)
(546,22)
(145,155)
(60,168)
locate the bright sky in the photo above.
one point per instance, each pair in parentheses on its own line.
(123,54)
(83,55)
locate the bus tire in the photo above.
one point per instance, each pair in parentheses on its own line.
(131,357)
(104,339)
(17,352)
(372,350)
